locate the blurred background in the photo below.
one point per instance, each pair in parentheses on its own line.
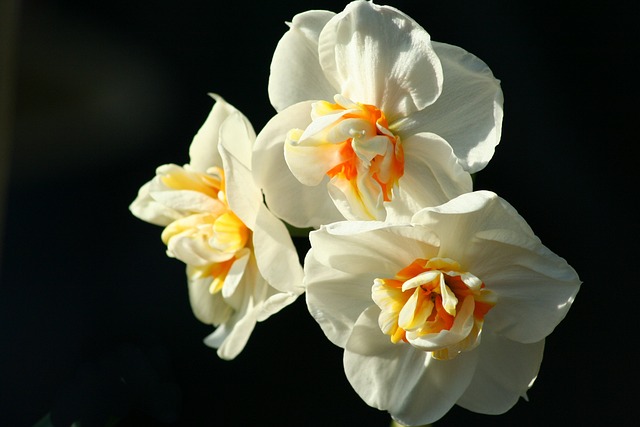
(94,318)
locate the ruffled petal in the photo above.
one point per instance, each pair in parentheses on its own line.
(374,249)
(432,176)
(362,200)
(187,201)
(298,204)
(506,369)
(186,191)
(459,331)
(192,249)
(309,162)
(203,152)
(533,286)
(378,55)
(460,218)
(468,114)
(295,69)
(148,209)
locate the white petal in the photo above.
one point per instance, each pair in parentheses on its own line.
(347,228)
(251,290)
(217,337)
(438,388)
(235,276)
(459,219)
(534,294)
(378,252)
(237,137)
(203,152)
(295,71)
(236,145)
(299,205)
(431,177)
(186,201)
(504,373)
(468,113)
(382,373)
(275,302)
(207,308)
(194,250)
(378,55)
(309,163)
(230,338)
(533,286)
(335,299)
(275,253)
(415,388)
(149,210)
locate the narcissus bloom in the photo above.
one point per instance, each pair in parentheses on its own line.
(373,118)
(242,266)
(452,308)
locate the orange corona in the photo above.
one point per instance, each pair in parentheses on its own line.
(352,141)
(425,298)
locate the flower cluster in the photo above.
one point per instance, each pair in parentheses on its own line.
(438,294)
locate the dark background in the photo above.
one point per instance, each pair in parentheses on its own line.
(94,318)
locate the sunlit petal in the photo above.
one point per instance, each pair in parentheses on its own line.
(295,71)
(468,113)
(378,55)
(297,204)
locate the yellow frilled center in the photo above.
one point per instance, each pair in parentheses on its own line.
(424,298)
(218,236)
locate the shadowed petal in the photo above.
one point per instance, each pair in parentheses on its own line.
(506,369)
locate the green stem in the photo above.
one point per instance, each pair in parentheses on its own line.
(394,423)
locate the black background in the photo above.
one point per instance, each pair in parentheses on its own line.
(94,318)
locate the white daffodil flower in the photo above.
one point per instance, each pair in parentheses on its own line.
(242,266)
(452,308)
(374,119)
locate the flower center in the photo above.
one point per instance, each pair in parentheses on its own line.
(352,144)
(209,241)
(434,306)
